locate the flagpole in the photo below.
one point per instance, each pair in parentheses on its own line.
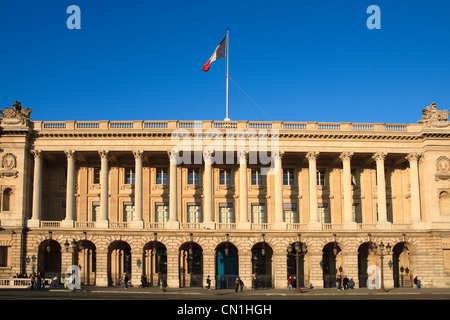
(227,76)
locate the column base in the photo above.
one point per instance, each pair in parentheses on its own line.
(244,225)
(209,225)
(102,224)
(137,224)
(315,225)
(384,225)
(350,225)
(173,224)
(280,225)
(33,223)
(67,223)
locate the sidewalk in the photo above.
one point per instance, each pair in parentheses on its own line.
(262,292)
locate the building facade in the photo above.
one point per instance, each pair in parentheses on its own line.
(182,200)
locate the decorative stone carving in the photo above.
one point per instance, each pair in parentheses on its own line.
(443,168)
(9,163)
(15,115)
(434,118)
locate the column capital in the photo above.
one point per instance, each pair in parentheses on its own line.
(242,155)
(413,156)
(138,154)
(277,154)
(104,154)
(37,153)
(70,154)
(173,154)
(379,156)
(207,156)
(312,155)
(346,156)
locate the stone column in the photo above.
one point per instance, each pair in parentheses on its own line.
(102,220)
(37,189)
(70,189)
(415,191)
(348,197)
(101,274)
(381,188)
(279,224)
(208,205)
(243,191)
(138,221)
(313,211)
(173,222)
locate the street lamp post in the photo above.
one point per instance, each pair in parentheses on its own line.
(297,251)
(374,248)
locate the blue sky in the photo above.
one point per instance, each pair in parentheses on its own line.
(289,60)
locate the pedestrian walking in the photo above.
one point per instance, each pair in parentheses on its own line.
(294,282)
(417,283)
(126,281)
(338,282)
(208,283)
(289,283)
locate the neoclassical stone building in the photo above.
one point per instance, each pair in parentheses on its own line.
(181,200)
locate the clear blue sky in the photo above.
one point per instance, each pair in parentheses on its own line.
(289,60)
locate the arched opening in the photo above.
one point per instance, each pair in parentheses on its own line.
(191,265)
(262,264)
(227,265)
(365,259)
(119,262)
(49,259)
(86,259)
(7,199)
(444,203)
(403,275)
(331,264)
(155,263)
(303,276)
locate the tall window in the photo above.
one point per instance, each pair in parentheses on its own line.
(161,176)
(389,215)
(161,212)
(259,213)
(288,177)
(6,201)
(96,177)
(194,176)
(290,213)
(321,177)
(225,177)
(194,212)
(226,214)
(357,215)
(128,211)
(324,213)
(95,210)
(257,178)
(3,256)
(129,175)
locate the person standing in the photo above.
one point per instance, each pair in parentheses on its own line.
(289,283)
(208,283)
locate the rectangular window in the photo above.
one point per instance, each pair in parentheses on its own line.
(356,211)
(259,213)
(226,214)
(288,177)
(321,177)
(225,177)
(257,178)
(194,176)
(96,175)
(128,211)
(161,211)
(194,212)
(324,213)
(129,175)
(3,256)
(95,210)
(290,213)
(161,176)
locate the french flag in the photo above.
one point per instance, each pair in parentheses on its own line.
(220,52)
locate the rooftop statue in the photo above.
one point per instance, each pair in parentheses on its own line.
(434,118)
(16,112)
